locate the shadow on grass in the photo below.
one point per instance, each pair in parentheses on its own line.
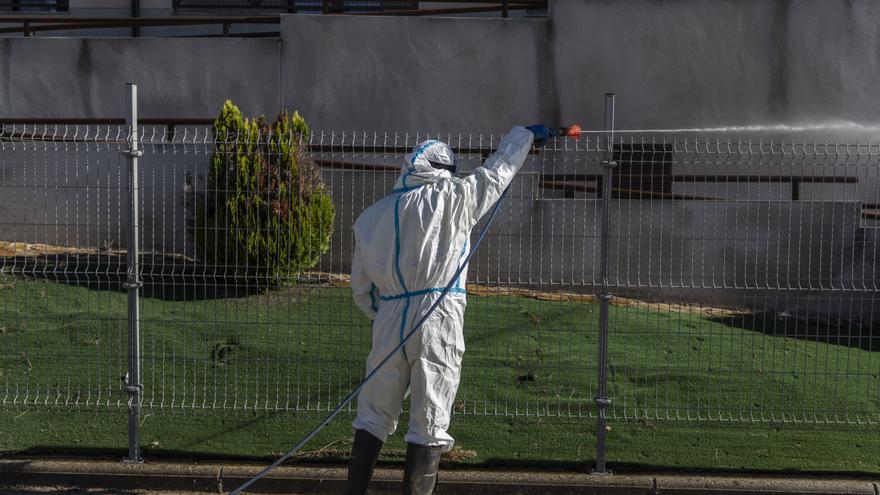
(167,455)
(168,278)
(849,334)
(63,488)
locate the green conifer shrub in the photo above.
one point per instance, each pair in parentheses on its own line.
(266,213)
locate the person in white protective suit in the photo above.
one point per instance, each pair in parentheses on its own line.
(408,247)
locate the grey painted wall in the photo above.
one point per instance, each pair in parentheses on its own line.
(70,77)
(694,63)
(698,63)
(76,195)
(426,74)
(685,63)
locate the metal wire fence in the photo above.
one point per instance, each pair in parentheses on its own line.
(743,274)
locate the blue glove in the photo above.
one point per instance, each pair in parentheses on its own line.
(541,132)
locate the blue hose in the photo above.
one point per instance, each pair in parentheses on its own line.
(351,395)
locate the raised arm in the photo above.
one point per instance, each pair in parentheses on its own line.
(487,182)
(365,293)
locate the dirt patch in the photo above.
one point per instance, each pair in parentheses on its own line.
(342,448)
(486,290)
(483,290)
(281,295)
(31,250)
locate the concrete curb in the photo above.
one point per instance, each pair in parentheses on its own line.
(221,478)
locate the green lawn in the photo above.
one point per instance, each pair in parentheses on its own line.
(246,377)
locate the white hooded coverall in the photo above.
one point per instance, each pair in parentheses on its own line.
(408,247)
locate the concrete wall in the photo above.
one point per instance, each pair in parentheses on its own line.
(425,74)
(673,64)
(77,196)
(699,63)
(71,77)
(684,63)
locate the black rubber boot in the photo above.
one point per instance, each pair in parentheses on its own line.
(364,454)
(420,470)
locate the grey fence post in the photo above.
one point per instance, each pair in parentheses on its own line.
(132,281)
(602,401)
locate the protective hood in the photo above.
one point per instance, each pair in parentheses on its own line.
(417,168)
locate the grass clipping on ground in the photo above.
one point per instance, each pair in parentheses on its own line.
(341,448)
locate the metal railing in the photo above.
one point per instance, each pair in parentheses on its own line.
(722,300)
(31,6)
(30,25)
(294,6)
(387,7)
